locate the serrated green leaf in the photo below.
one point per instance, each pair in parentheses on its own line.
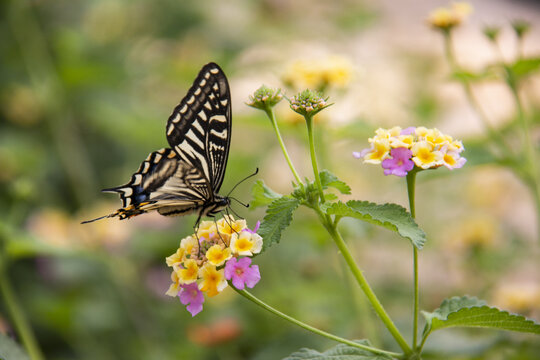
(339,352)
(391,216)
(10,350)
(262,194)
(278,217)
(470,312)
(330,180)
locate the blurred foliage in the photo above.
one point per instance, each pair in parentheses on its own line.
(85,89)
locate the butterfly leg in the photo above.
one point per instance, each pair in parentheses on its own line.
(196,232)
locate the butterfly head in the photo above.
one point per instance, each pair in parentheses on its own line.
(219,204)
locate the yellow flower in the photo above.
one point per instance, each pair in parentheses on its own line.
(446,18)
(206,229)
(213,280)
(175,286)
(318,74)
(424,155)
(405,141)
(518,296)
(189,272)
(227,225)
(189,244)
(246,243)
(175,258)
(380,150)
(217,255)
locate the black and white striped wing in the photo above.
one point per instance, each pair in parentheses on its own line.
(199,129)
(164,183)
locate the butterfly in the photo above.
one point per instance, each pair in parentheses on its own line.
(186,177)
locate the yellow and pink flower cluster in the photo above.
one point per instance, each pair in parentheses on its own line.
(400,150)
(217,252)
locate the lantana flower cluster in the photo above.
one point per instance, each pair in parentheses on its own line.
(401,150)
(217,252)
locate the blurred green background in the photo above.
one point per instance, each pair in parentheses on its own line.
(86,88)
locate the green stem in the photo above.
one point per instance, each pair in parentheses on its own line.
(267,307)
(411,181)
(18,317)
(530,172)
(270,113)
(309,122)
(364,285)
(494,135)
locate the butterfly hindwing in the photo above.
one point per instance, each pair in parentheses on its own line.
(199,129)
(163,182)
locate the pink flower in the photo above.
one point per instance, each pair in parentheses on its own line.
(254,231)
(191,296)
(408,131)
(400,163)
(241,273)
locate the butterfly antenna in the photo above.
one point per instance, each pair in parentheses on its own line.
(241,181)
(238,201)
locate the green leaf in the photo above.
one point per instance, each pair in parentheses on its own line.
(278,217)
(469,76)
(262,194)
(390,216)
(339,352)
(524,67)
(470,312)
(10,350)
(330,180)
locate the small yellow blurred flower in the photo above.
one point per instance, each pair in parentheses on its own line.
(425,156)
(189,244)
(228,225)
(518,296)
(213,280)
(246,243)
(175,258)
(218,254)
(474,233)
(206,229)
(189,272)
(447,18)
(380,150)
(174,288)
(333,71)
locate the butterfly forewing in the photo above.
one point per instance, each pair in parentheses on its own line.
(199,129)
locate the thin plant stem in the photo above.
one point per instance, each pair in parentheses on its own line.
(309,122)
(530,172)
(18,317)
(361,280)
(411,181)
(274,311)
(270,113)
(471,98)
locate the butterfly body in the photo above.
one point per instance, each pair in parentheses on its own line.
(186,177)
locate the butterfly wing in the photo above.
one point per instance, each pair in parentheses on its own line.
(187,177)
(164,183)
(199,129)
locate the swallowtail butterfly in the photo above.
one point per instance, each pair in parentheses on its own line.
(186,177)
